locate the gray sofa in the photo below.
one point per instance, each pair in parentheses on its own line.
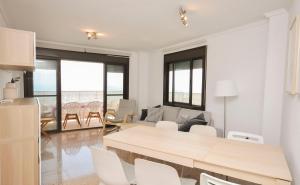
(176,114)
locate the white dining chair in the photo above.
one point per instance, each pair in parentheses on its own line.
(152,173)
(167,125)
(247,137)
(110,169)
(210,180)
(203,130)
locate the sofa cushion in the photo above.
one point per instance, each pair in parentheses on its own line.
(144,114)
(154,115)
(170,113)
(199,120)
(189,113)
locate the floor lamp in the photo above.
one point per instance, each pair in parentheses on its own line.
(225,88)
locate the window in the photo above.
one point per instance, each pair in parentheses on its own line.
(115,85)
(184,78)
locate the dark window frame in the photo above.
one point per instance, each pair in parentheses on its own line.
(59,55)
(181,56)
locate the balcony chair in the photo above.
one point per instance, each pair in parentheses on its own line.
(124,114)
(72,112)
(95,108)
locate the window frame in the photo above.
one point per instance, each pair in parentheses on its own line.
(187,55)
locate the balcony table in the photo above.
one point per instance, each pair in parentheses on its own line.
(261,164)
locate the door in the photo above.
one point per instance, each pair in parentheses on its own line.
(45,88)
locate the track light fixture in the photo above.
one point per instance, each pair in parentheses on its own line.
(183,17)
(93,35)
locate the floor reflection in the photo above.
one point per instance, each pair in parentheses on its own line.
(66,158)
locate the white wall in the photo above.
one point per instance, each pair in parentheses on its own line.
(275,75)
(138,78)
(237,54)
(290,135)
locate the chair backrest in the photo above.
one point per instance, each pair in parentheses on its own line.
(108,167)
(167,125)
(95,106)
(72,107)
(126,107)
(152,173)
(247,137)
(210,180)
(203,130)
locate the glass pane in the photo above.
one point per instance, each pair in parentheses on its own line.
(82,92)
(170,82)
(197,82)
(182,82)
(48,109)
(113,102)
(44,77)
(115,79)
(44,83)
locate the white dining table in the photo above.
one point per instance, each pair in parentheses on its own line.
(261,164)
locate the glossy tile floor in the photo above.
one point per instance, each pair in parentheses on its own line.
(66,158)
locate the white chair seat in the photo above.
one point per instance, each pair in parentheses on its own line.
(110,169)
(186,181)
(153,173)
(167,125)
(246,137)
(206,179)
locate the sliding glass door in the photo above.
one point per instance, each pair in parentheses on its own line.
(45,89)
(76,89)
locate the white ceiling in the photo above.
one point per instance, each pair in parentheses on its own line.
(131,24)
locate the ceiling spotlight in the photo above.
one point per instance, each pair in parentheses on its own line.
(183,17)
(91,35)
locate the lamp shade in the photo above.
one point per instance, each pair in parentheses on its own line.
(225,88)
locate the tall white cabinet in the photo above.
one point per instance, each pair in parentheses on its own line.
(17,49)
(20,142)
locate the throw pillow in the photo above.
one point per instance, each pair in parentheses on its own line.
(154,115)
(181,119)
(144,114)
(199,120)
